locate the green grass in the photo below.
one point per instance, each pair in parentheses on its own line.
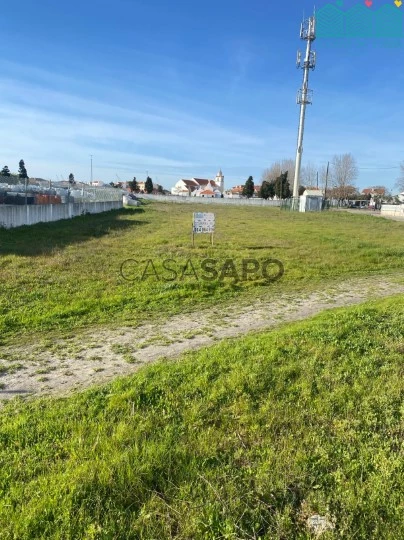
(61,276)
(245,439)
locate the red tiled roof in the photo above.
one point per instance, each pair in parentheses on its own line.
(239,189)
(190,182)
(204,182)
(379,191)
(196,182)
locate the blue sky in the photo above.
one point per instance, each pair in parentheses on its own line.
(180,89)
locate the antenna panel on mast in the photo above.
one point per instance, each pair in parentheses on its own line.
(313,59)
(308,29)
(311,62)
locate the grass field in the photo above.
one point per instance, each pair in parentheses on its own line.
(62,276)
(243,440)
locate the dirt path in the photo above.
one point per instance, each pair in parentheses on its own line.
(94,357)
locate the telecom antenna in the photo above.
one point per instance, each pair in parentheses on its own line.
(304,95)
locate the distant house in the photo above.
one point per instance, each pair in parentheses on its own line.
(208,189)
(200,187)
(237,191)
(374,191)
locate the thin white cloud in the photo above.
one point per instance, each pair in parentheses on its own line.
(56,122)
(64,128)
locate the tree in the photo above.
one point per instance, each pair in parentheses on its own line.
(267,190)
(322,178)
(400,180)
(5,171)
(133,185)
(302,189)
(308,175)
(343,174)
(22,171)
(381,189)
(72,181)
(282,187)
(248,188)
(348,192)
(148,185)
(160,190)
(276,169)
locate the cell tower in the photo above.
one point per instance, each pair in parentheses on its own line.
(304,95)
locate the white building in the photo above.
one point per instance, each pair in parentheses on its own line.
(200,187)
(311,200)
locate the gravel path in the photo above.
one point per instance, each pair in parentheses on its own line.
(97,356)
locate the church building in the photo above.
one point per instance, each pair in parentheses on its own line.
(200,187)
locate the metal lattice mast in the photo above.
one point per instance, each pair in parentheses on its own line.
(304,95)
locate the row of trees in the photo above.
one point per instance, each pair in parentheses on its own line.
(338,178)
(22,171)
(278,187)
(23,174)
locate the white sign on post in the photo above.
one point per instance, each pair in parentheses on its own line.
(203,222)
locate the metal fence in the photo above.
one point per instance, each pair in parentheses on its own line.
(95,194)
(210,200)
(31,194)
(291,205)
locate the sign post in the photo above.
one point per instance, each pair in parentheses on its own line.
(203,223)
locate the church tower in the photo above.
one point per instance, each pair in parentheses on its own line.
(220,180)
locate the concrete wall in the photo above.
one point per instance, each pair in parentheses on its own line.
(396,210)
(16,215)
(209,200)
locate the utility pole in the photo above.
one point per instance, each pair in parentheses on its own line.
(304,95)
(326,180)
(91,156)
